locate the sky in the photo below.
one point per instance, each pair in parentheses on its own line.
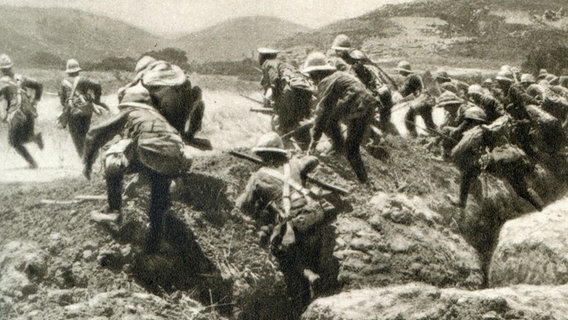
(165,17)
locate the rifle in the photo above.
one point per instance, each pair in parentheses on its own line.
(308,124)
(435,132)
(384,74)
(251,99)
(321,184)
(262,110)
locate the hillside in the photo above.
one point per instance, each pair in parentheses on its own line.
(446,32)
(65,33)
(235,39)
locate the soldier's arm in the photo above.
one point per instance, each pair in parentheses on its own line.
(246,202)
(323,110)
(33,84)
(62,95)
(88,85)
(101,134)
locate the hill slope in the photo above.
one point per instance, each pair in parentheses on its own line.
(68,33)
(474,32)
(235,39)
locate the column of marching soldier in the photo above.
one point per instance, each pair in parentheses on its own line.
(502,126)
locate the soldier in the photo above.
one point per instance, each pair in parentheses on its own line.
(504,160)
(149,145)
(341,46)
(288,91)
(527,79)
(21,109)
(376,82)
(515,100)
(141,65)
(493,109)
(412,86)
(454,108)
(78,96)
(341,96)
(291,216)
(445,83)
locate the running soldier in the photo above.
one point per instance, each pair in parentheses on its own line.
(80,97)
(22,95)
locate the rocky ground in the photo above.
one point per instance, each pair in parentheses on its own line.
(399,250)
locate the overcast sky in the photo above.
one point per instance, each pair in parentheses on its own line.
(174,16)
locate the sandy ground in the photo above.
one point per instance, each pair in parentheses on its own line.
(227,123)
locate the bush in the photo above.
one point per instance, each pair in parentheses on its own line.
(552,59)
(172,55)
(46,59)
(112,63)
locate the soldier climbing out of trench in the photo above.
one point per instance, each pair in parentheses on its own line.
(291,216)
(22,95)
(341,97)
(288,92)
(149,145)
(485,147)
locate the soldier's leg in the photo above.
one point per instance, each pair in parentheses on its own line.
(426,114)
(115,168)
(17,136)
(333,131)
(158,206)
(524,191)
(409,122)
(78,127)
(355,133)
(468,176)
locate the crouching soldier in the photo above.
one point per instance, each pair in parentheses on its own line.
(291,215)
(21,109)
(149,145)
(341,97)
(503,160)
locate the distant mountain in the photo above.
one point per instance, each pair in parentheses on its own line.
(236,39)
(66,33)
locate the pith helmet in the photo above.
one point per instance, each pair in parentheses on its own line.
(316,61)
(164,74)
(542,73)
(267,51)
(72,66)
(341,43)
(358,55)
(552,79)
(442,75)
(527,78)
(270,143)
(136,93)
(403,66)
(475,89)
(475,113)
(447,98)
(143,62)
(504,75)
(487,83)
(5,62)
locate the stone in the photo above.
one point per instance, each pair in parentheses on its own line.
(533,249)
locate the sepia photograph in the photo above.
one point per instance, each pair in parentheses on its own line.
(283,160)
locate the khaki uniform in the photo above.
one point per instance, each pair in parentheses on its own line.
(78,107)
(291,94)
(150,146)
(296,240)
(21,112)
(342,97)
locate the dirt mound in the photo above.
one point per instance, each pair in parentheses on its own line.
(420,301)
(400,229)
